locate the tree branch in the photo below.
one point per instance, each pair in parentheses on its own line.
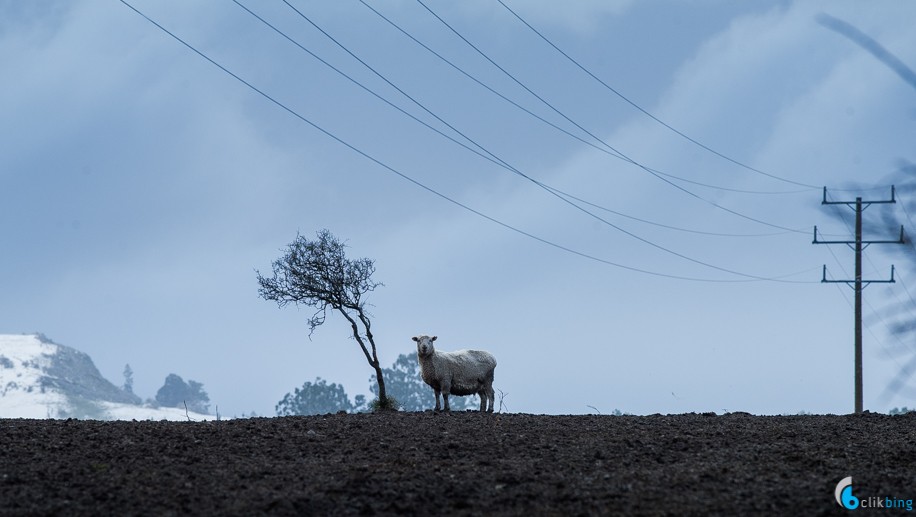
(358,337)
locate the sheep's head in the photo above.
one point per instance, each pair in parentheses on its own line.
(425,346)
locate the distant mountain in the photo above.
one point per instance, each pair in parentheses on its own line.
(43,379)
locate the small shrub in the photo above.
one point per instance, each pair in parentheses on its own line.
(389,403)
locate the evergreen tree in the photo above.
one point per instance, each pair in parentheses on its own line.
(128,379)
(316,398)
(177,393)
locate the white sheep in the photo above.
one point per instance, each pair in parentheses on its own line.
(464,372)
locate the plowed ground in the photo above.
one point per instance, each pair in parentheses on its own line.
(455,464)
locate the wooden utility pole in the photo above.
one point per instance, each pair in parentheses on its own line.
(858,283)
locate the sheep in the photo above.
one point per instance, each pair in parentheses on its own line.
(463,372)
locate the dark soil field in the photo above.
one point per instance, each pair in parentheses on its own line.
(456,464)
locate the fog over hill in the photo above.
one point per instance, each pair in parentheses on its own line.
(43,379)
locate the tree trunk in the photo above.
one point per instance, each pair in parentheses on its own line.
(382,395)
(372,358)
(367,323)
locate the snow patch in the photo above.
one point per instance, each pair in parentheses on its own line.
(42,379)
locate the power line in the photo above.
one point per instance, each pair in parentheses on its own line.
(515,170)
(729,189)
(669,227)
(612,152)
(645,112)
(603,149)
(518,82)
(476,151)
(586,131)
(527,89)
(462,144)
(907,214)
(425,187)
(485,156)
(906,290)
(367,89)
(481,83)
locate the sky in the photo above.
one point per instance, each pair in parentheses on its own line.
(146,180)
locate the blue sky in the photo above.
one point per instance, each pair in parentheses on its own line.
(143,186)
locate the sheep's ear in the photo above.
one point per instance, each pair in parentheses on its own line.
(415,338)
(433,338)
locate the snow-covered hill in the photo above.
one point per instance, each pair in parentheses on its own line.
(43,379)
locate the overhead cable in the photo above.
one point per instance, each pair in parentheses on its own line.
(602,148)
(476,151)
(430,189)
(514,170)
(647,113)
(589,133)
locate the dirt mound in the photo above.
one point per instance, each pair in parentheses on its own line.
(458,463)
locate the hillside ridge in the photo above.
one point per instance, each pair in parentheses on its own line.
(43,379)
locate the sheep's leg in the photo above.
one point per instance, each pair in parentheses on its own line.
(437,400)
(483,400)
(491,394)
(446,389)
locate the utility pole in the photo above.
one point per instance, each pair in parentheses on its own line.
(858,283)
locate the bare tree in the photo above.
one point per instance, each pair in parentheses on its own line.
(317,273)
